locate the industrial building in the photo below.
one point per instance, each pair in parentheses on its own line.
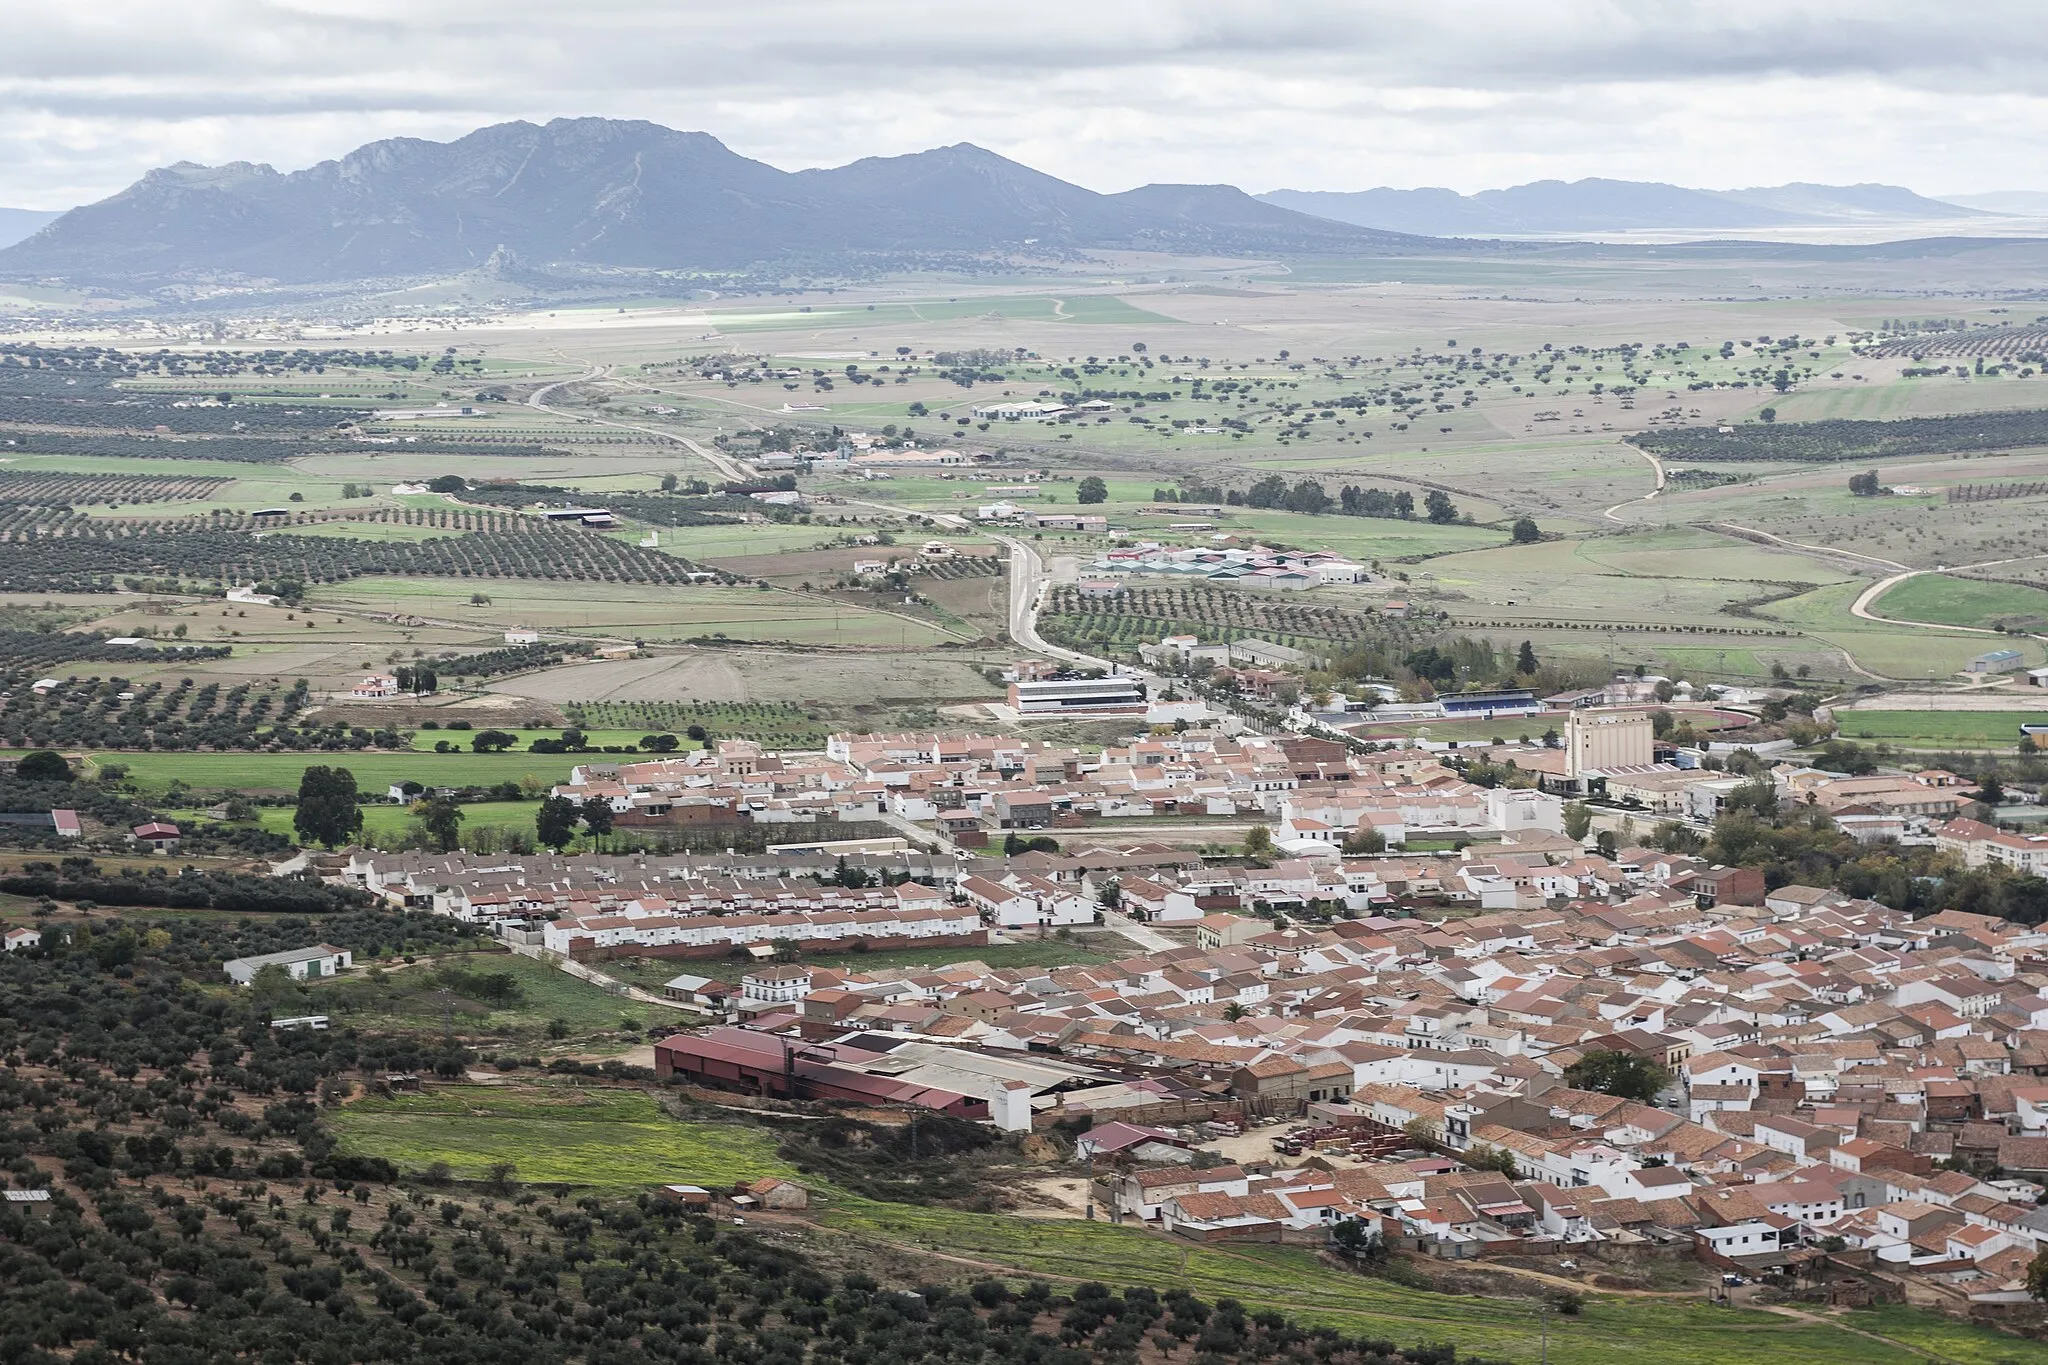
(881,1068)
(1598,740)
(1060,696)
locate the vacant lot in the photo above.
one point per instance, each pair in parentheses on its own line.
(607,1140)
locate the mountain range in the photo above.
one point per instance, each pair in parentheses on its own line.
(1557,206)
(610,193)
(534,203)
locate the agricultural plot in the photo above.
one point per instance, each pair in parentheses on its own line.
(605,1140)
(114,713)
(1836,441)
(38,652)
(89,557)
(43,489)
(713,543)
(641,611)
(842,680)
(1143,614)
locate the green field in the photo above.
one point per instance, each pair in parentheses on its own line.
(374,770)
(410,998)
(1609,1330)
(1941,729)
(1949,601)
(1891,651)
(602,1139)
(385,825)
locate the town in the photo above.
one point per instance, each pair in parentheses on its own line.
(1490,1037)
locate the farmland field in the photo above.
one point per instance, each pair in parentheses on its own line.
(735,675)
(604,1140)
(650,611)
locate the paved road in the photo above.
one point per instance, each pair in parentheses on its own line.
(1151,940)
(1028,586)
(595,977)
(724,464)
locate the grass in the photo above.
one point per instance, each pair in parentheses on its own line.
(411,997)
(386,825)
(1891,651)
(374,770)
(1941,729)
(1294,1280)
(605,1140)
(1949,601)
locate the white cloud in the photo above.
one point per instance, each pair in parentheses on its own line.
(1312,94)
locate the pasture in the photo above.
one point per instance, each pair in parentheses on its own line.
(1945,599)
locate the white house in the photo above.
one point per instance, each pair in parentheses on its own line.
(322,959)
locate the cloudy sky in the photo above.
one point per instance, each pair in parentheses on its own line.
(1306,94)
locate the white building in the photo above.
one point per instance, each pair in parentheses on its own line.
(322,959)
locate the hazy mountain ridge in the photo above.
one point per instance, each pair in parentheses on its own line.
(626,194)
(1598,205)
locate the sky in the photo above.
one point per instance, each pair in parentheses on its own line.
(1302,94)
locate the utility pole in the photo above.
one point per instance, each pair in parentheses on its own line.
(1545,1313)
